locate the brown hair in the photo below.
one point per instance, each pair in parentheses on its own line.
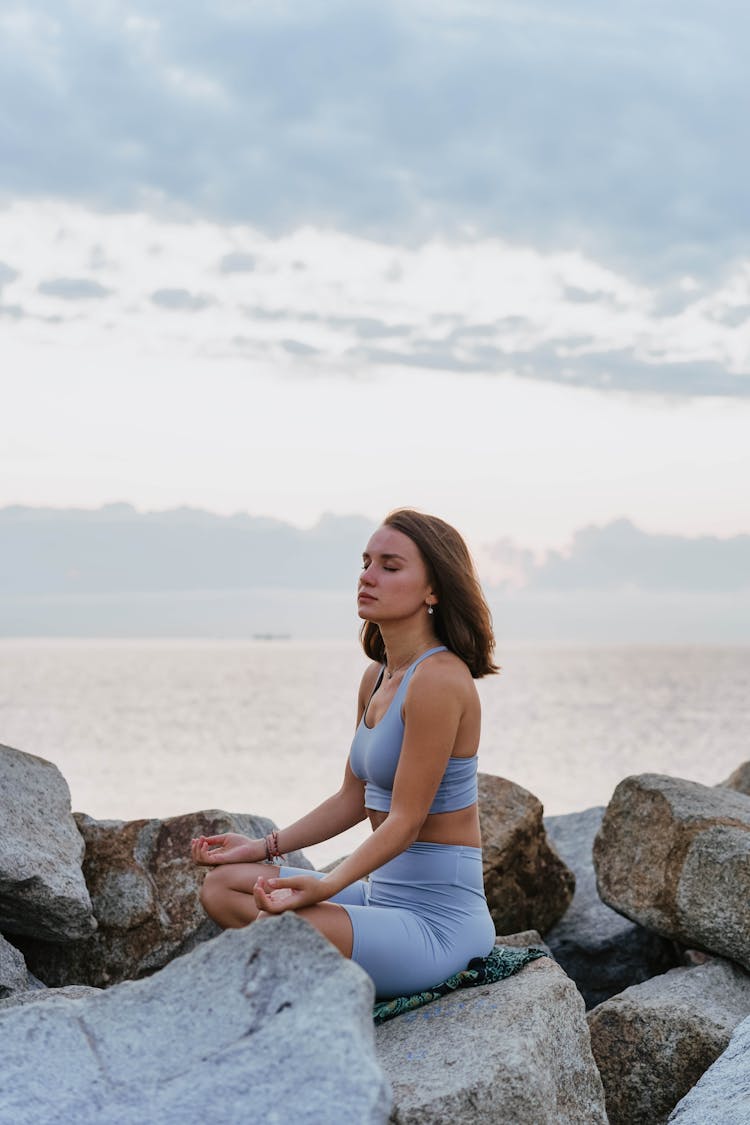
(462,619)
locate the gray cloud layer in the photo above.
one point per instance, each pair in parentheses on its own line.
(116,549)
(619,556)
(180,299)
(73,288)
(613,129)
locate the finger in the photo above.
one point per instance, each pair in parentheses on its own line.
(271,905)
(294,882)
(261,898)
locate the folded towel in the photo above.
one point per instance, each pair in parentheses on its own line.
(502,961)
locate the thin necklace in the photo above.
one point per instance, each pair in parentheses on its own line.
(391,672)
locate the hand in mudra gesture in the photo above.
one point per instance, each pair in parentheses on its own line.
(231,847)
(274,896)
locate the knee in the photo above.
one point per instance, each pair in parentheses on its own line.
(212,888)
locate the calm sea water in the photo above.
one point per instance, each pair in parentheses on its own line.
(154,728)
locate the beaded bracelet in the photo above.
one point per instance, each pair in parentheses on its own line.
(272,847)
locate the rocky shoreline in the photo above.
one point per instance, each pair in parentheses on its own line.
(120,1000)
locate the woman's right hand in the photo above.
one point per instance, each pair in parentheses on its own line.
(232,847)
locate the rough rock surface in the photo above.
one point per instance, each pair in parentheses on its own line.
(523,940)
(267,1023)
(42,890)
(13,972)
(654,1041)
(675,856)
(47,996)
(516,1051)
(739,780)
(144,888)
(528,887)
(722,1095)
(601,950)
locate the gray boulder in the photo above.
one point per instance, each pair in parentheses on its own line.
(722,1095)
(675,856)
(523,940)
(739,779)
(269,1023)
(601,950)
(13,972)
(528,886)
(145,894)
(516,1051)
(47,996)
(654,1041)
(42,890)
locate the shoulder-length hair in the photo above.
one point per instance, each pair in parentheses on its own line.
(462,618)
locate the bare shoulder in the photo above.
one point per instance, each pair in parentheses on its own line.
(445,674)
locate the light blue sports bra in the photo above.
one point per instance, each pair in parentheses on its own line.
(376,750)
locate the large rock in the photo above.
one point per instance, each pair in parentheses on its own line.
(600,949)
(654,1041)
(269,1023)
(46,996)
(739,780)
(144,888)
(516,1051)
(528,887)
(675,856)
(42,891)
(13,972)
(722,1095)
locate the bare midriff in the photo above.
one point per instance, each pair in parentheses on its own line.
(460,827)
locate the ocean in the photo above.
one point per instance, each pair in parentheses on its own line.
(144,728)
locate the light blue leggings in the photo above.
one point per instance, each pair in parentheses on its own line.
(419,919)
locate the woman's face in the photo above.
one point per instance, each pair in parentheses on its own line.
(394,583)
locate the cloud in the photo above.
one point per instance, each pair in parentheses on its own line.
(611,129)
(180,299)
(238,263)
(734,317)
(73,289)
(620,557)
(7,274)
(116,548)
(298,347)
(369,327)
(481,307)
(12,312)
(620,370)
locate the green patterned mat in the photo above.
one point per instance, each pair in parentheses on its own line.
(503,961)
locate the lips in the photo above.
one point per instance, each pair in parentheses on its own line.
(362,597)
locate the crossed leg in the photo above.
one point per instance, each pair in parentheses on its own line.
(227,897)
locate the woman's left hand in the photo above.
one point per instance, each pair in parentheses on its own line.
(274,896)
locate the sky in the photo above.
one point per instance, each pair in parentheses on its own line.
(488,259)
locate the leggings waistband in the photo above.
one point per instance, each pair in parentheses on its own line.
(426,864)
(423,847)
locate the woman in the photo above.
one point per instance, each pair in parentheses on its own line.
(412,769)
